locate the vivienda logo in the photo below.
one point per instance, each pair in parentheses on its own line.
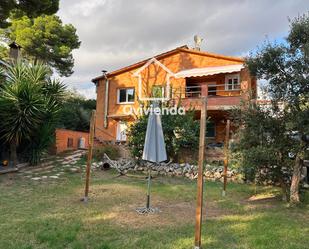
(140,111)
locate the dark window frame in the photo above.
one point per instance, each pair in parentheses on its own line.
(127,100)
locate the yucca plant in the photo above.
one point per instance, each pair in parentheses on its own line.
(28,101)
(40,143)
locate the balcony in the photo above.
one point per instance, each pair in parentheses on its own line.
(219,98)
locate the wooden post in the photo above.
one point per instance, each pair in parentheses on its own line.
(204,90)
(89,158)
(226,155)
(200,181)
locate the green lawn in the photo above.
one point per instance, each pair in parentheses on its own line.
(48,214)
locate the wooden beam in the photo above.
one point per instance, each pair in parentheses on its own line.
(200,181)
(89,158)
(226,155)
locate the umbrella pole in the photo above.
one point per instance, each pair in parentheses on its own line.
(148,190)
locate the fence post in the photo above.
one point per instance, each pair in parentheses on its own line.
(200,181)
(89,158)
(226,155)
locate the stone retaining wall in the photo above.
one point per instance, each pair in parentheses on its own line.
(211,172)
(190,171)
(170,169)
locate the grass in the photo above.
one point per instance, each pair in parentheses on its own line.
(48,214)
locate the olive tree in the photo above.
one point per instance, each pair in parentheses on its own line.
(285,67)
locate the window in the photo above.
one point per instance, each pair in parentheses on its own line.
(232,82)
(70,142)
(126,95)
(211,129)
(157,91)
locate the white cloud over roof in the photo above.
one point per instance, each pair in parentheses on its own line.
(116,33)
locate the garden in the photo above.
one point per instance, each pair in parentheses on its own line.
(48,213)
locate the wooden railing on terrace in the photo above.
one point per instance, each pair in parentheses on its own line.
(218,96)
(210,90)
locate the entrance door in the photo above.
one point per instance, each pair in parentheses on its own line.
(121,131)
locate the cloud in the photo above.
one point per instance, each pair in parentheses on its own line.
(116,33)
(88,92)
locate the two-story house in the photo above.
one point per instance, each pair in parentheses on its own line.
(182,73)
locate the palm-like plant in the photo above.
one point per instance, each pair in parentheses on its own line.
(28,101)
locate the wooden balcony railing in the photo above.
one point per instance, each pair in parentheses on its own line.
(193,91)
(210,90)
(218,96)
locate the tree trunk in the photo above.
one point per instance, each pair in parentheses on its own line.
(13,153)
(294,190)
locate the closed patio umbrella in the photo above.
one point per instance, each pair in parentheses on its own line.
(154,147)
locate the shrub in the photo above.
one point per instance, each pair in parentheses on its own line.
(29,108)
(180,132)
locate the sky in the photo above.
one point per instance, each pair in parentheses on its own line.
(117,33)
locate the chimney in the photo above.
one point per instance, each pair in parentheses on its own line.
(15,50)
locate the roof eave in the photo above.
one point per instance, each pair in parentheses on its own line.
(219,56)
(139,64)
(183,48)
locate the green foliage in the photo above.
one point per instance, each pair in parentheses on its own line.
(45,38)
(264,143)
(29,106)
(4,52)
(269,134)
(5,6)
(31,8)
(180,131)
(40,142)
(111,151)
(40,33)
(136,136)
(21,103)
(76,112)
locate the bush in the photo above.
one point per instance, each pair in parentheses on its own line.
(180,132)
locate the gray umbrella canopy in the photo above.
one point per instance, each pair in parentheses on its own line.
(154,147)
(154,150)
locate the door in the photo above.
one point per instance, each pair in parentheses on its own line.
(121,131)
